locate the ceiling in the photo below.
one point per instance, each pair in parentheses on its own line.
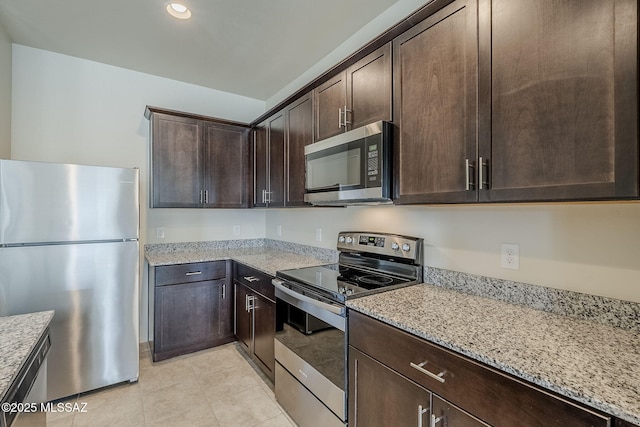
(247,47)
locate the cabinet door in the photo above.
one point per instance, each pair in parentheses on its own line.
(276,125)
(560,117)
(187,317)
(243,321)
(330,100)
(369,89)
(435,78)
(299,134)
(380,397)
(176,159)
(264,331)
(446,414)
(226,153)
(260,165)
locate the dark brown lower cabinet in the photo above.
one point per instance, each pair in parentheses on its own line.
(192,312)
(243,319)
(264,330)
(379,396)
(255,316)
(394,375)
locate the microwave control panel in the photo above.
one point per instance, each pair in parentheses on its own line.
(373,162)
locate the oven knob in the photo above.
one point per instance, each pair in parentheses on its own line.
(341,239)
(395,246)
(406,247)
(349,239)
(349,291)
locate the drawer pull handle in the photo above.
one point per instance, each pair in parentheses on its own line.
(193,273)
(251,278)
(420,368)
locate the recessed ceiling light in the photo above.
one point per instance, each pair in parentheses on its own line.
(178,10)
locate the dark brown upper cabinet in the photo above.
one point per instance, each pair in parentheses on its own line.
(269,162)
(558,100)
(357,96)
(299,133)
(197,162)
(435,107)
(226,176)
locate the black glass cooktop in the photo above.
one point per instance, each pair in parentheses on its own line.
(341,282)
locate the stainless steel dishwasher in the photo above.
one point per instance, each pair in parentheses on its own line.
(30,389)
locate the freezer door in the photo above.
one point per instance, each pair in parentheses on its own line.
(50,202)
(93,289)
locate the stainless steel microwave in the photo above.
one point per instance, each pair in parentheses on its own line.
(351,168)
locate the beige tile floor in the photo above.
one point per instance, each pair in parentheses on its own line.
(218,387)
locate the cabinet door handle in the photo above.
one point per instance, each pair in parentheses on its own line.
(201,196)
(468,167)
(224,291)
(345,121)
(339,117)
(251,302)
(193,273)
(434,420)
(246,303)
(420,368)
(206,196)
(421,412)
(483,182)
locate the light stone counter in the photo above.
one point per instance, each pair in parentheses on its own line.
(592,363)
(18,337)
(265,255)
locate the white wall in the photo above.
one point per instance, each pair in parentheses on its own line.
(72,110)
(5,94)
(590,248)
(387,19)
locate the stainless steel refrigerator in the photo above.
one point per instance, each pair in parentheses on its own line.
(69,243)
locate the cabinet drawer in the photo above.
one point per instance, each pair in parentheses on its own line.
(254,279)
(492,396)
(193,272)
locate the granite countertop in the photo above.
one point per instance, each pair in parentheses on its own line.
(266,259)
(19,335)
(592,363)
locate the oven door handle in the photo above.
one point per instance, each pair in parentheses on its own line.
(336,309)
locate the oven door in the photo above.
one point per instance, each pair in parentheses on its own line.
(310,351)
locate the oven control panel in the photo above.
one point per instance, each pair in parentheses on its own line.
(391,245)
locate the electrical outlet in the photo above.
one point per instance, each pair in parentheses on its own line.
(236,230)
(279,230)
(318,234)
(160,232)
(510,256)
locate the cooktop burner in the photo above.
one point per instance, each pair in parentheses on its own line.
(367,279)
(374,280)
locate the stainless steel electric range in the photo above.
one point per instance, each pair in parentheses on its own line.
(311,327)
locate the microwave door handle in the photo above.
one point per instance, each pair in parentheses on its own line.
(337,187)
(329,307)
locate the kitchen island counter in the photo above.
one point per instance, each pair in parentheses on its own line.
(19,335)
(595,364)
